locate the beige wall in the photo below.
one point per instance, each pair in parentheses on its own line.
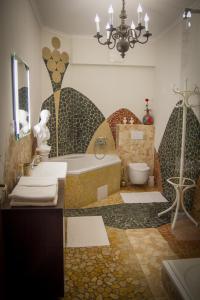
(20,33)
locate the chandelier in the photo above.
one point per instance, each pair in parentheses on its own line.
(123,36)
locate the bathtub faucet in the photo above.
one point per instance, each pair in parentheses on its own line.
(101,140)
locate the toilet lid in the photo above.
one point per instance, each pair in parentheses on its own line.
(139,166)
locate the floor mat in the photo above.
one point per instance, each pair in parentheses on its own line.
(86,232)
(146,197)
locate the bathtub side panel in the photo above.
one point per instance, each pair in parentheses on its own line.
(81,190)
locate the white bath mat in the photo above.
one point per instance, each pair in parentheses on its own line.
(146,197)
(86,232)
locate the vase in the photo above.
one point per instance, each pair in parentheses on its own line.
(148,119)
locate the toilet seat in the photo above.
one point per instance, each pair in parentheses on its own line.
(139,166)
(138,173)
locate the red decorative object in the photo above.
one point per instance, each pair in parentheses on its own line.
(147,119)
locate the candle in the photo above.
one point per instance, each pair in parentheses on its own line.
(133,28)
(139,11)
(107,30)
(97,20)
(146,22)
(110,11)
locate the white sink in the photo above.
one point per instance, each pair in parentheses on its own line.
(50,169)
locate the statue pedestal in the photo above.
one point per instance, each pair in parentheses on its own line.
(44,153)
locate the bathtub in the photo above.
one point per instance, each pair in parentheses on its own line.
(182,278)
(82,163)
(90,179)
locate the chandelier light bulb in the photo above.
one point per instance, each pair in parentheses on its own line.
(107,26)
(146,21)
(111,11)
(139,11)
(97,20)
(107,30)
(184,15)
(132,25)
(133,29)
(189,15)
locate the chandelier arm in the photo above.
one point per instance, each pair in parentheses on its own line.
(110,46)
(131,41)
(143,42)
(102,43)
(132,44)
(117,35)
(138,34)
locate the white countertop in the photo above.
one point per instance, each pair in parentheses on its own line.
(50,169)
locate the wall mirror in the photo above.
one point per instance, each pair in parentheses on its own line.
(21,96)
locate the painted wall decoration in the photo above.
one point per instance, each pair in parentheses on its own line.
(74,118)
(170,150)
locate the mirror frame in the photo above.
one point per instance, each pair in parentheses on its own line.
(15,94)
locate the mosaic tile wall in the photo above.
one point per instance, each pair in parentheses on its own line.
(131,150)
(78,119)
(170,148)
(18,153)
(117,118)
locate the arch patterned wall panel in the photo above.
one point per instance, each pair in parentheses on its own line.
(170,150)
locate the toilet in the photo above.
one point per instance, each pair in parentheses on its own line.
(138,173)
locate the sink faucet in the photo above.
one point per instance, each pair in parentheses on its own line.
(35,161)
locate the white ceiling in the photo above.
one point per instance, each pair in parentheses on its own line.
(76,17)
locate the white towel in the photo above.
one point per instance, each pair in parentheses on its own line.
(32,203)
(34,193)
(37,181)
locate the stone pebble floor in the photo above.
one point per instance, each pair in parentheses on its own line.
(108,272)
(126,216)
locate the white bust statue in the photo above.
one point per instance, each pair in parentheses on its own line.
(41,131)
(24,126)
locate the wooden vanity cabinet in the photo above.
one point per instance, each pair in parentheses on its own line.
(34,251)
